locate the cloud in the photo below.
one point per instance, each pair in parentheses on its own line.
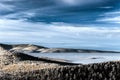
(6,7)
(111,20)
(111,17)
(67,11)
(19,31)
(83,2)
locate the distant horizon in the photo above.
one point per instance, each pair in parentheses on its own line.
(65,45)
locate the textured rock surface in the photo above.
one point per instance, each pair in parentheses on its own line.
(12,63)
(19,66)
(16,59)
(102,71)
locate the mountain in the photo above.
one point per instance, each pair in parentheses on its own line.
(29,48)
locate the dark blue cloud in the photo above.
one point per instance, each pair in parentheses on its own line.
(68,11)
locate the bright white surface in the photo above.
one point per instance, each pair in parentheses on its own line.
(84,58)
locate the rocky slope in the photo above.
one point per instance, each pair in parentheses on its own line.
(27,48)
(19,66)
(13,62)
(101,71)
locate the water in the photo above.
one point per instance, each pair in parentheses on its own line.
(84,58)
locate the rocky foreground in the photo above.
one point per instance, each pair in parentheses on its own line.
(20,66)
(29,48)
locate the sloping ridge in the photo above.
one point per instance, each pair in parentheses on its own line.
(8,46)
(14,56)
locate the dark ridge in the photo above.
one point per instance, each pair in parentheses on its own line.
(9,46)
(27,45)
(6,46)
(81,50)
(99,51)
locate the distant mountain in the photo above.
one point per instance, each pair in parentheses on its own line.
(29,48)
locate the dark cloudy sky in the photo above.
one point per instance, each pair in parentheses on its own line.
(61,23)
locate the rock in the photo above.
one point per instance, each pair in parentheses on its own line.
(101,71)
(22,47)
(20,66)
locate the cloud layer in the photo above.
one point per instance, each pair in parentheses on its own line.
(64,35)
(67,11)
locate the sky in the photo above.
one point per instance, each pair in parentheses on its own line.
(91,24)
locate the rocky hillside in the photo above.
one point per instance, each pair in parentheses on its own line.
(101,71)
(19,66)
(28,48)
